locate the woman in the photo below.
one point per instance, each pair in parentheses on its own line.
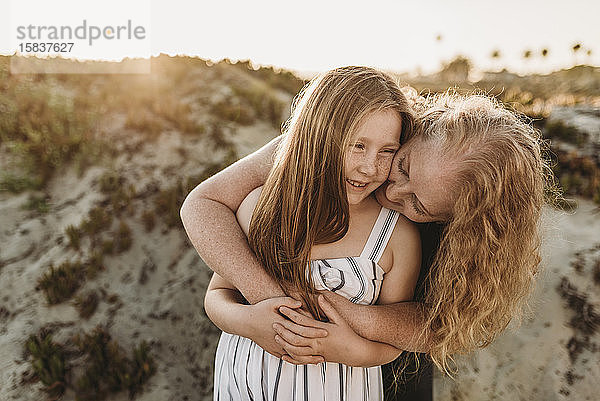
(472,165)
(327,234)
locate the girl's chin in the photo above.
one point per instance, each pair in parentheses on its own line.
(354,199)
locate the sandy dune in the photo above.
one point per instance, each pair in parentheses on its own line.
(533,362)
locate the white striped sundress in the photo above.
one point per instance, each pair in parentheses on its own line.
(244,371)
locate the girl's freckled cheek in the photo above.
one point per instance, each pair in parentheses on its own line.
(383,168)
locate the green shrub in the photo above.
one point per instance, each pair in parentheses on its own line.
(108,370)
(86,305)
(48,363)
(59,284)
(97,221)
(149,220)
(235,112)
(265,103)
(108,247)
(44,128)
(94,264)
(74,236)
(142,368)
(123,239)
(16,184)
(111,181)
(565,132)
(37,203)
(120,200)
(596,271)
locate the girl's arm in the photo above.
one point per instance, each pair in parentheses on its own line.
(226,308)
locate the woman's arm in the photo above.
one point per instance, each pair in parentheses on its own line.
(343,344)
(208,215)
(397,324)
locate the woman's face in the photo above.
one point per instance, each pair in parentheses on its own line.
(419,183)
(370,154)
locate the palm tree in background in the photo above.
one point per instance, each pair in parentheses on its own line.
(545,53)
(438,43)
(527,56)
(495,56)
(575,48)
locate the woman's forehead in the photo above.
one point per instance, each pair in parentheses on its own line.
(431,175)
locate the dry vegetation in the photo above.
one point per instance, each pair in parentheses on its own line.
(54,122)
(102,365)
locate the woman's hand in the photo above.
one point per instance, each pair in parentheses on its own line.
(264,315)
(341,344)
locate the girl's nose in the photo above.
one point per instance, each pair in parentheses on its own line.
(368,165)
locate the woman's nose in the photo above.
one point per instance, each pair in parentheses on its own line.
(396,191)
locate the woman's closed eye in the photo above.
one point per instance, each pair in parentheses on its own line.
(416,206)
(401,166)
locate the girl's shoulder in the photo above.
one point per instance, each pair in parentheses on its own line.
(404,242)
(244,212)
(405,233)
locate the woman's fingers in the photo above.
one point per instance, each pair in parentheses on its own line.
(300,319)
(303,360)
(303,355)
(293,338)
(331,313)
(288,302)
(304,331)
(293,349)
(304,312)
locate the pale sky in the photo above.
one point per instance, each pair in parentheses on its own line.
(315,35)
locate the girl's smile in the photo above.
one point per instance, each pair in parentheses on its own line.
(370,154)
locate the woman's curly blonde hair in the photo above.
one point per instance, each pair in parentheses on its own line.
(489,251)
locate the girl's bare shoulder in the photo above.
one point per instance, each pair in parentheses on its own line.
(244,212)
(406,233)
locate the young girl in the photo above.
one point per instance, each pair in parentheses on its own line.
(315,225)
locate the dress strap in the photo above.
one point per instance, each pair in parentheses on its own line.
(380,234)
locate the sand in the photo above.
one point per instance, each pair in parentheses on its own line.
(161,283)
(532,362)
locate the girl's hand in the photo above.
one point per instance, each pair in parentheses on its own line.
(341,344)
(261,318)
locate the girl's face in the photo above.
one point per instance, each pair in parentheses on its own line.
(419,183)
(370,154)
